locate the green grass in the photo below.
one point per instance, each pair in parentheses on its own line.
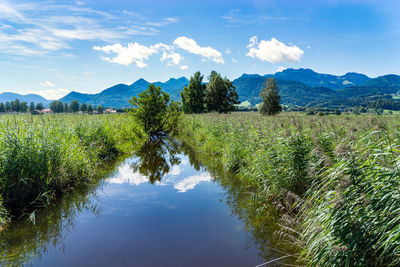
(335,179)
(41,156)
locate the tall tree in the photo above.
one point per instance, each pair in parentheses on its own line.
(16,105)
(154,110)
(56,106)
(74,106)
(2,108)
(100,109)
(23,107)
(90,109)
(32,108)
(221,95)
(270,98)
(66,107)
(193,95)
(39,106)
(8,106)
(83,107)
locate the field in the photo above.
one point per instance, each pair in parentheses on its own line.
(333,179)
(41,156)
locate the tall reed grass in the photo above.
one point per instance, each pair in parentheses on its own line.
(334,179)
(41,156)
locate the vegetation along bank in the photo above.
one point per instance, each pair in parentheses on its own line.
(334,179)
(41,156)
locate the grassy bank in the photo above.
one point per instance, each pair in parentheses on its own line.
(41,156)
(334,179)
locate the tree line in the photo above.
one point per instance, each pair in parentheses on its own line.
(55,106)
(74,107)
(219,95)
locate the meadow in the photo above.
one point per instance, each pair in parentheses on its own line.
(42,156)
(333,180)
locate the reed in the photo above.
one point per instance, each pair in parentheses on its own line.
(334,179)
(41,156)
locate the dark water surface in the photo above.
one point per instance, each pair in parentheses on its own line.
(156,208)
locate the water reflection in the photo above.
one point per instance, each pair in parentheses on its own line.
(156,157)
(163,162)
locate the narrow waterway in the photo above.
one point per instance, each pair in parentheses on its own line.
(158,207)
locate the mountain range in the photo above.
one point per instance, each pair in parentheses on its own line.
(8,97)
(303,87)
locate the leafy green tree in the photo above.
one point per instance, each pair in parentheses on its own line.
(2,108)
(66,107)
(100,109)
(23,107)
(74,106)
(221,95)
(155,111)
(90,109)
(270,98)
(32,109)
(193,95)
(56,106)
(83,107)
(8,107)
(16,105)
(39,106)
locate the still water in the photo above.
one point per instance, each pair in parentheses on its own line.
(158,207)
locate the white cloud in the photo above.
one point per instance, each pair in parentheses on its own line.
(228,51)
(51,94)
(126,174)
(168,54)
(36,28)
(133,53)
(47,83)
(308,47)
(191,181)
(280,69)
(138,54)
(190,46)
(253,41)
(234,60)
(273,51)
(184,67)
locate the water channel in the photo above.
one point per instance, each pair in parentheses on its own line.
(158,207)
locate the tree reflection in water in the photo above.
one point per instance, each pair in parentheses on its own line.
(156,157)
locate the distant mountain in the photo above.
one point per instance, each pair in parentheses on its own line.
(297,86)
(314,79)
(118,95)
(390,80)
(8,97)
(76,96)
(292,92)
(294,86)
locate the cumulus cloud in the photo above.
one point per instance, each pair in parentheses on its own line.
(138,54)
(191,46)
(191,182)
(126,174)
(273,51)
(51,94)
(47,83)
(126,55)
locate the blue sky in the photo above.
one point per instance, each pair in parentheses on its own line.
(53,47)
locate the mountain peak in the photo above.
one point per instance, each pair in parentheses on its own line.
(140,82)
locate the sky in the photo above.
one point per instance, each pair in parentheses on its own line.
(54,47)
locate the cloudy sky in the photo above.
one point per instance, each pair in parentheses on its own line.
(53,47)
